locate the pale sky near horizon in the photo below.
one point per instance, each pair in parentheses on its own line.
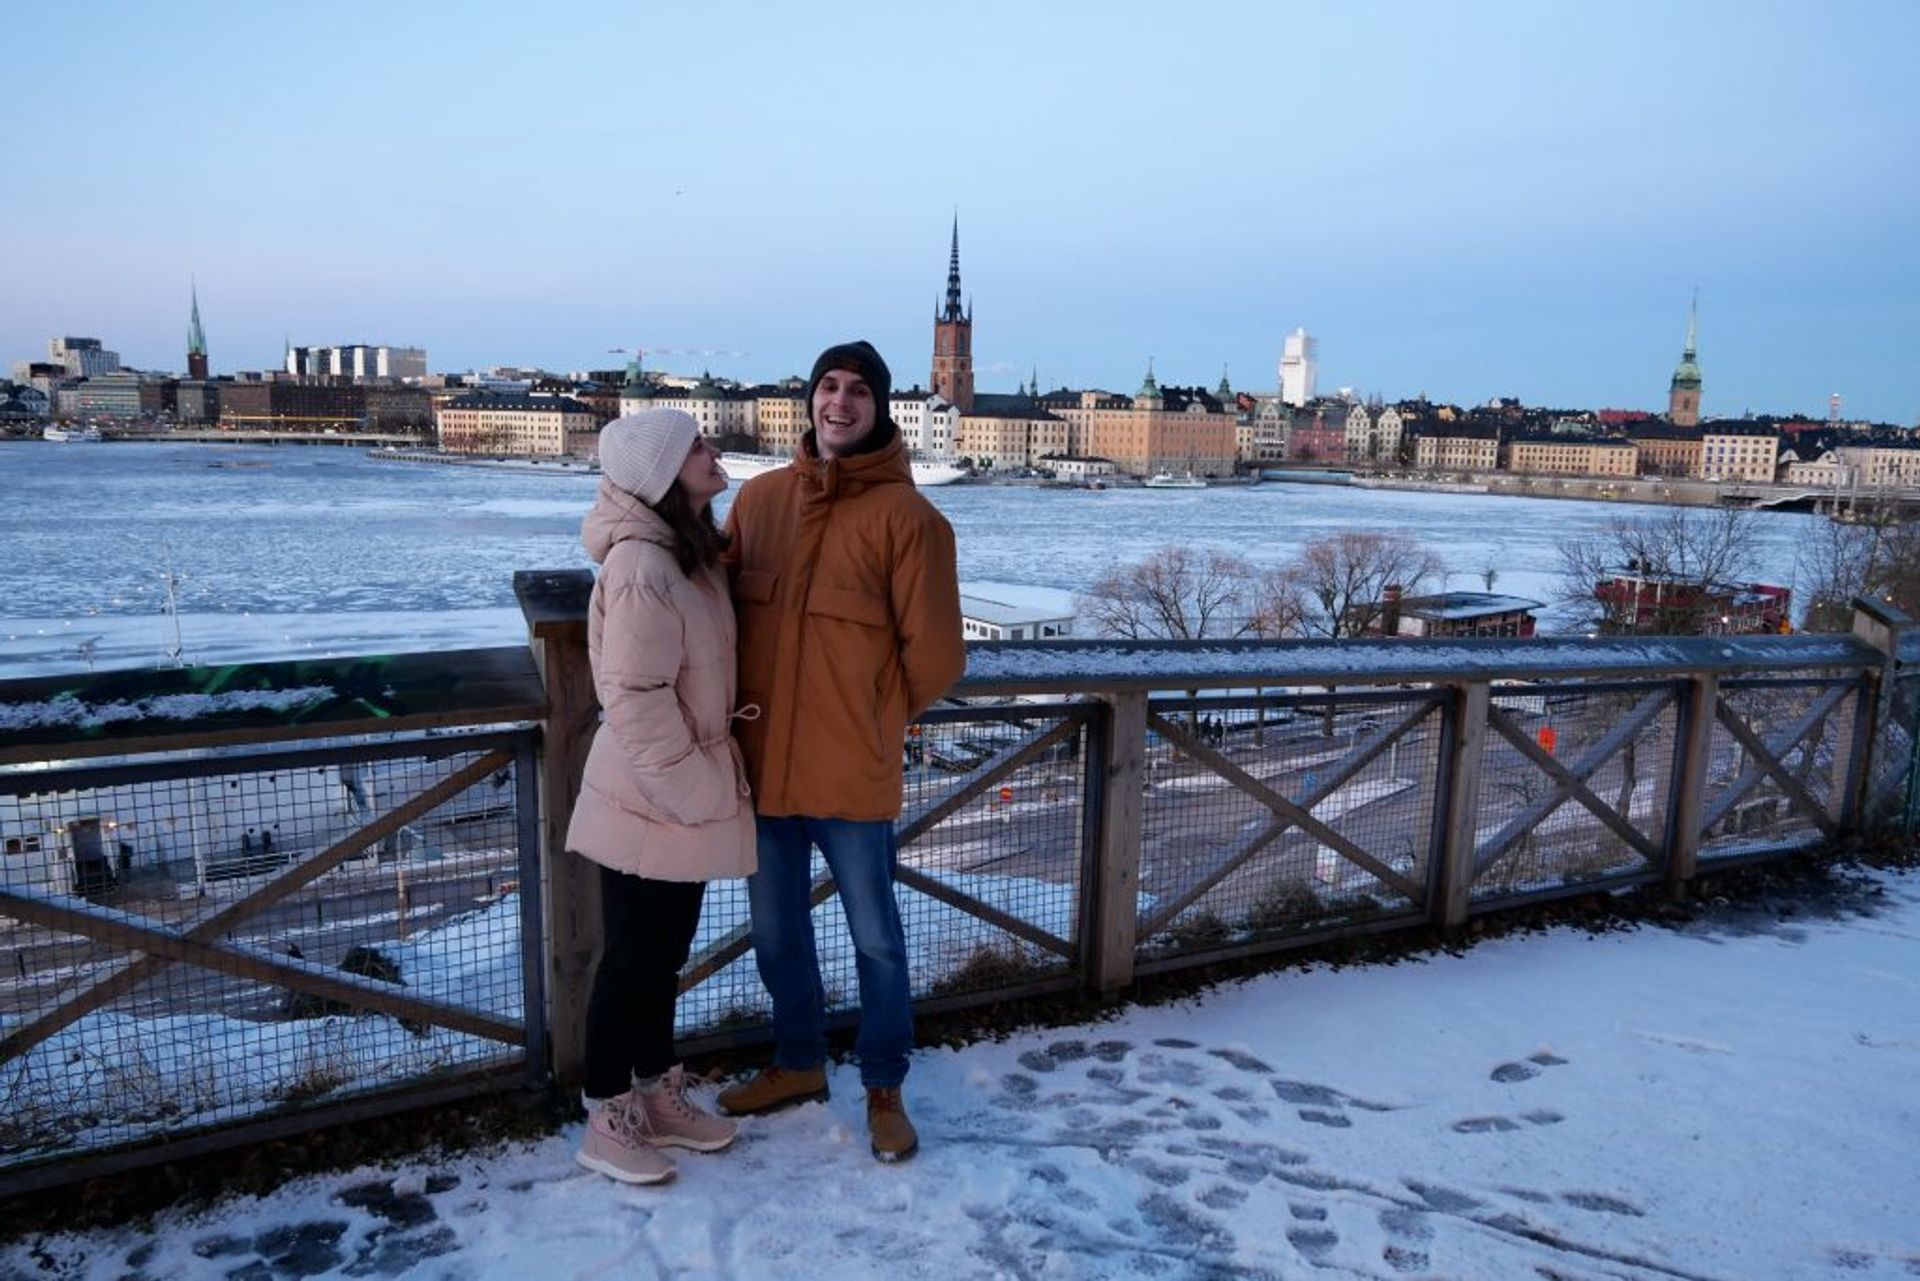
(1465,200)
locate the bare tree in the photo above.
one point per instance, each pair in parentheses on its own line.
(1177,593)
(1874,554)
(1342,578)
(1687,552)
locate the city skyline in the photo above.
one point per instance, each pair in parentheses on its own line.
(1466,205)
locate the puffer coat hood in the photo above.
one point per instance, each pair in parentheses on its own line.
(665,792)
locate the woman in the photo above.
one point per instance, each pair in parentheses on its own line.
(663,806)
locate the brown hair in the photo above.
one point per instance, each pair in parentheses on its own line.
(697,539)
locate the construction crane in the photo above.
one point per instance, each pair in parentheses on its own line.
(640,353)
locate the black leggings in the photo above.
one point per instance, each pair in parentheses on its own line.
(647,931)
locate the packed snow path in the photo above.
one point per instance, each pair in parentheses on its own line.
(1729,1100)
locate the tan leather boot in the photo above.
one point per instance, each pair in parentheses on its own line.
(893,1135)
(773,1088)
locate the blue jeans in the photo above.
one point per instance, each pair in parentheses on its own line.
(861,857)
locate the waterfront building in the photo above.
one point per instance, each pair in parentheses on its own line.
(1461,446)
(359,361)
(1880,466)
(1015,612)
(1448,614)
(926,421)
(952,377)
(28,399)
(82,357)
(1648,602)
(782,418)
(113,394)
(1557,455)
(720,410)
(1371,435)
(1077,470)
(1318,433)
(1683,392)
(1299,368)
(1008,437)
(1666,450)
(1270,424)
(485,422)
(280,404)
(1744,452)
(197,401)
(1829,472)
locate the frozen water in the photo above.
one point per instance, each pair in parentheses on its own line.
(313,550)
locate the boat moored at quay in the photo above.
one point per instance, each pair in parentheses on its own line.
(927,472)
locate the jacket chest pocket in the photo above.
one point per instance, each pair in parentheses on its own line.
(849,605)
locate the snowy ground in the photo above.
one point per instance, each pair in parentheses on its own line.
(1733,1099)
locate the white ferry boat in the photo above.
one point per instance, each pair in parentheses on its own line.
(83,435)
(1167,480)
(926,471)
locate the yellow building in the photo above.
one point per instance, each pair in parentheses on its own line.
(782,421)
(1572,456)
(519,426)
(1457,446)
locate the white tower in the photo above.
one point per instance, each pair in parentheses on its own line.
(1299,367)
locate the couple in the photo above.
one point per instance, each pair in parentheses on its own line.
(848,627)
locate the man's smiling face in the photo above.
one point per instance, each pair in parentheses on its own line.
(843,412)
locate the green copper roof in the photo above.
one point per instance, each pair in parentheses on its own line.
(1686,375)
(1149,390)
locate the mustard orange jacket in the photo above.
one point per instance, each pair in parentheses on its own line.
(848,602)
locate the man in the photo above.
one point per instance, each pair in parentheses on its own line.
(849,615)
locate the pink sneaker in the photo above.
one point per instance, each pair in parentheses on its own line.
(674,1120)
(619,1144)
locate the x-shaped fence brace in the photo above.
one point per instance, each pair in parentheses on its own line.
(1571,780)
(734,944)
(1768,757)
(1288,813)
(196,944)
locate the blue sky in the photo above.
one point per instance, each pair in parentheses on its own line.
(1467,200)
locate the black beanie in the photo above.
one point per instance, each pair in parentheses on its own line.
(860,358)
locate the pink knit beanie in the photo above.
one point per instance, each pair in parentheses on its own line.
(642,453)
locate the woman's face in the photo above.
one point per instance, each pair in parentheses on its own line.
(701,478)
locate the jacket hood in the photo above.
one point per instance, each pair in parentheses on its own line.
(617,516)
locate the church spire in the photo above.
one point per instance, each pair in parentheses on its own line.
(953,309)
(1683,393)
(196,339)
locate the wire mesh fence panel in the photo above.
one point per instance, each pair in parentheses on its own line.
(1575,786)
(1269,817)
(211,938)
(1891,765)
(1781,761)
(989,894)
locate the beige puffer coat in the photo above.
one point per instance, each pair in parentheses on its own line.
(665,794)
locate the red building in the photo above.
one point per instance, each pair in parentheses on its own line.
(1655,604)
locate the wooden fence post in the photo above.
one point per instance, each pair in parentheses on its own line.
(1690,789)
(1882,626)
(1113,919)
(1466,751)
(554,603)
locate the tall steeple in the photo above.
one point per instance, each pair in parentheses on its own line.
(196,340)
(952,310)
(1683,393)
(952,377)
